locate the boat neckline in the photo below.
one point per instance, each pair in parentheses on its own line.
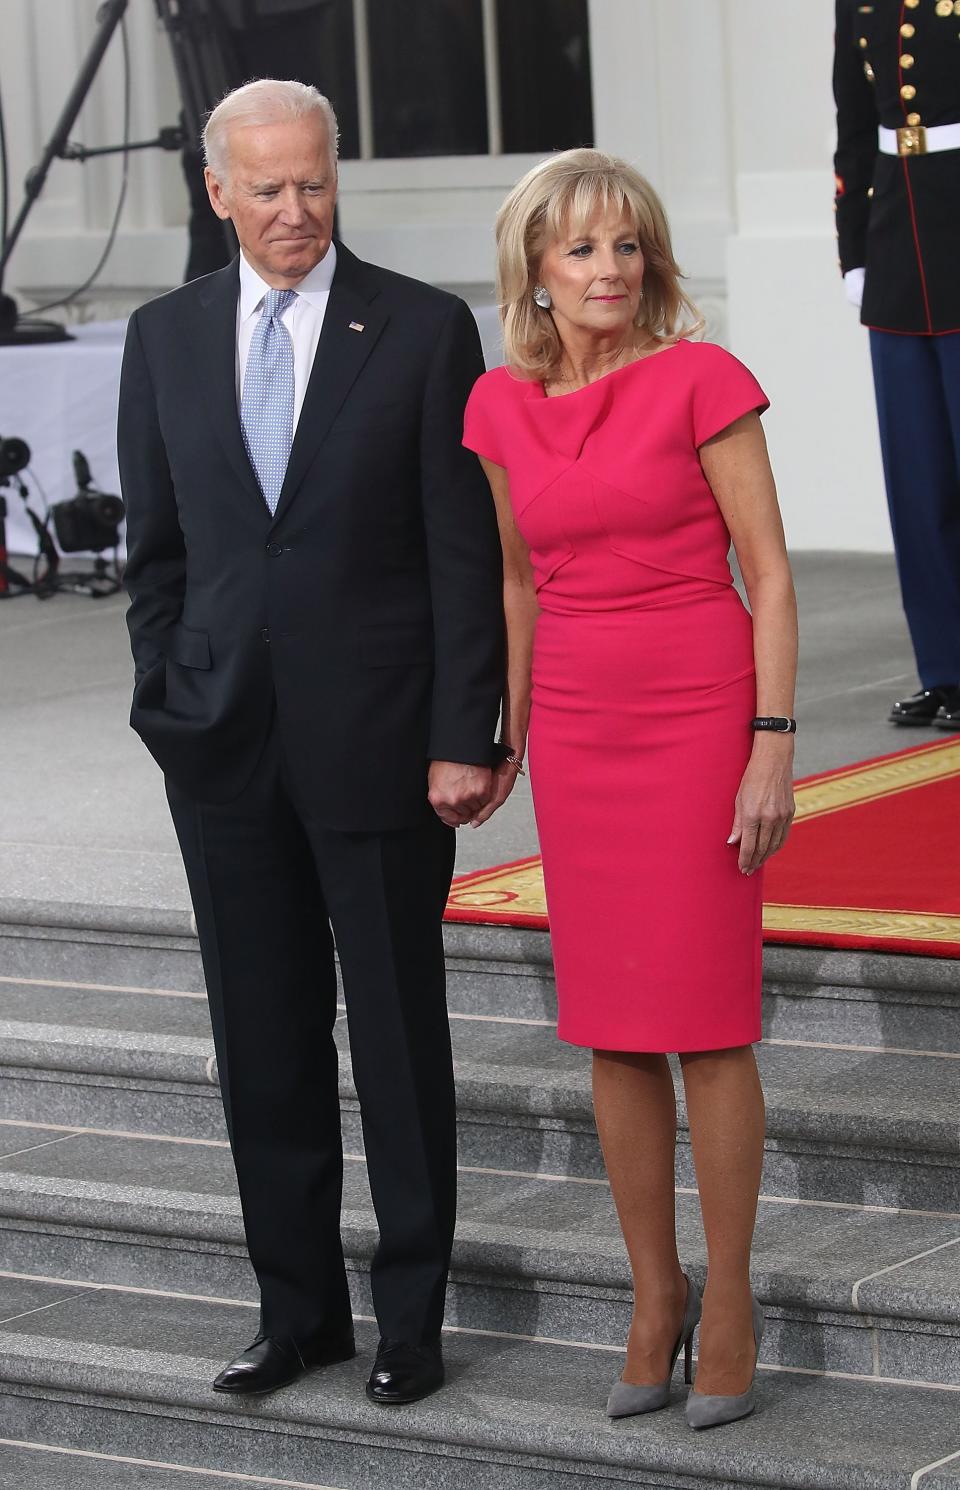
(551,398)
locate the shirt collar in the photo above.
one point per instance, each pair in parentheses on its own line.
(314,287)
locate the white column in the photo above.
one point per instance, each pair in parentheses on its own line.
(695,132)
(788,319)
(626,82)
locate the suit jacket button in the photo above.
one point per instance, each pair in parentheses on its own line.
(274,550)
(265,634)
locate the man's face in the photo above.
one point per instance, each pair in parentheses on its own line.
(279,192)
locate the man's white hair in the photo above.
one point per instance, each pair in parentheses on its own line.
(265,101)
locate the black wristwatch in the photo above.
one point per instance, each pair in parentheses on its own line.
(776,722)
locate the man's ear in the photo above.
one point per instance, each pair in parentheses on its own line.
(215,193)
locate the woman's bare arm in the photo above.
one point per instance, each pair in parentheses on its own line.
(737,468)
(520,610)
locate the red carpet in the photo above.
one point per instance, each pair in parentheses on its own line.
(869,863)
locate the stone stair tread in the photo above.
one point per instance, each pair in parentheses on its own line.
(845,1095)
(173,1013)
(522,1226)
(48,1467)
(528,1401)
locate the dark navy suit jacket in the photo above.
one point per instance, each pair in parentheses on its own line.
(366,616)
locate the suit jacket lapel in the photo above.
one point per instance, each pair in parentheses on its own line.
(214,338)
(341,353)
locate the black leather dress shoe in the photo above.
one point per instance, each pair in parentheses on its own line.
(274,1361)
(922,708)
(405,1373)
(948,714)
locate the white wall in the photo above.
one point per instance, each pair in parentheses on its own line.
(724,104)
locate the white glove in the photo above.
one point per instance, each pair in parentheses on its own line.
(853,284)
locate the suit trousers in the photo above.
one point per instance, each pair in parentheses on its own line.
(917,384)
(272,890)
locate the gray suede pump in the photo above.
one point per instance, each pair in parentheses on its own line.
(709,1412)
(626,1400)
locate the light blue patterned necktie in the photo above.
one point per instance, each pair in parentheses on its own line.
(267,400)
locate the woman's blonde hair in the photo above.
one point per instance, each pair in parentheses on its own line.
(560,196)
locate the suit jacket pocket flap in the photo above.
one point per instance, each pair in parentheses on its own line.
(396,646)
(190,648)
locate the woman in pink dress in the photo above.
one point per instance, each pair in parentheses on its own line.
(623,458)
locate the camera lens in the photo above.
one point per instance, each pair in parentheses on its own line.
(108,510)
(14,456)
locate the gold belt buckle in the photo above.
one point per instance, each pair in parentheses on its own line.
(912,140)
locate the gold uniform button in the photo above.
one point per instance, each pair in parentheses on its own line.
(869,73)
(911,4)
(863,41)
(869,191)
(906,61)
(913,118)
(944,7)
(908,91)
(908,30)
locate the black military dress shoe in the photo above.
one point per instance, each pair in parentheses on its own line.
(405,1373)
(922,708)
(274,1361)
(948,714)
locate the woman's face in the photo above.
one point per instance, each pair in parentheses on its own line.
(594,278)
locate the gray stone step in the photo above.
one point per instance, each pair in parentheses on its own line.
(47,1467)
(852,997)
(844,1123)
(847,1289)
(128,1374)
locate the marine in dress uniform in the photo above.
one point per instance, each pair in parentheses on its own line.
(897,88)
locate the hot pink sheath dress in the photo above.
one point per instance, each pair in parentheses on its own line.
(643,692)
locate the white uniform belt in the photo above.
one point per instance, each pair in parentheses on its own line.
(917,139)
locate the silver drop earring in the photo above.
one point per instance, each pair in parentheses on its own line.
(541,297)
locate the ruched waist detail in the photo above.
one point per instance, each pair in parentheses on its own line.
(590,604)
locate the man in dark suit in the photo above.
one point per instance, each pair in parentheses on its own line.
(316,624)
(896,80)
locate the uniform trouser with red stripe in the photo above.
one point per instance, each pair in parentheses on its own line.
(917,383)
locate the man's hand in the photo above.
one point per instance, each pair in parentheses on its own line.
(457,792)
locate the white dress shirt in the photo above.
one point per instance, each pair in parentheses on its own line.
(303,318)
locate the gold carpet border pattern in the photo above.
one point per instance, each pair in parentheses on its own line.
(916,926)
(517,890)
(883,779)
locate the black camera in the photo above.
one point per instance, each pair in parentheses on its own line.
(14,456)
(90,521)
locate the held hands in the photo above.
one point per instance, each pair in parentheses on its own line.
(765,805)
(504,780)
(457,793)
(469,794)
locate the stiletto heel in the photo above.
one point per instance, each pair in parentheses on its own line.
(626,1400)
(704,1411)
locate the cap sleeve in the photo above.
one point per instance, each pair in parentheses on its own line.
(480,424)
(724,390)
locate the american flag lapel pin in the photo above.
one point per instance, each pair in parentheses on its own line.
(356,325)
